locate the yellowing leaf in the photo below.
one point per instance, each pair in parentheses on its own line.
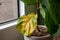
(27,24)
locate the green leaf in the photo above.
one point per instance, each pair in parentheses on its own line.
(52,27)
(29,2)
(42,11)
(52,14)
(50,6)
(27,24)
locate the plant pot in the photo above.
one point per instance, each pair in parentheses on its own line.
(46,37)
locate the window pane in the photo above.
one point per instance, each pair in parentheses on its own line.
(8,10)
(22,8)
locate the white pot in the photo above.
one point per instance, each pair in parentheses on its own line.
(47,37)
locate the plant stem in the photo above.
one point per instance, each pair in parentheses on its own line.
(38,11)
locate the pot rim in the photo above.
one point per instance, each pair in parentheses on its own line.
(43,26)
(48,35)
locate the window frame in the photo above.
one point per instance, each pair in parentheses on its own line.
(14,22)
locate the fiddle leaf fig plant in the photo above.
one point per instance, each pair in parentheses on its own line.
(27,24)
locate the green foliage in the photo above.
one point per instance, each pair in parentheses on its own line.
(52,14)
(29,2)
(57,10)
(51,8)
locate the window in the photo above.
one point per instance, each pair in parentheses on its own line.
(22,8)
(9,14)
(8,10)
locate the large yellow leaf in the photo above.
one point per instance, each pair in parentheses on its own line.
(27,24)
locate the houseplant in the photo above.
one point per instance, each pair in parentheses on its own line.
(51,10)
(27,25)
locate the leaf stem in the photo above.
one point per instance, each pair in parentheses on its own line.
(38,11)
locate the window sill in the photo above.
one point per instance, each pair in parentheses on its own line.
(9,24)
